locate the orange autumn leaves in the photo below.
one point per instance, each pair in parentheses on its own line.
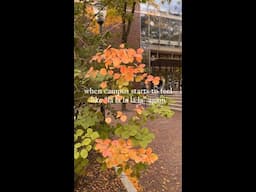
(139,109)
(103,71)
(103,85)
(115,69)
(127,72)
(118,56)
(154,80)
(119,152)
(116,76)
(123,55)
(108,120)
(123,65)
(122,116)
(119,115)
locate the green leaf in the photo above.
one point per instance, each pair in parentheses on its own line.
(125,135)
(126,127)
(135,142)
(103,167)
(84,153)
(144,131)
(76,155)
(89,131)
(118,131)
(79,132)
(84,162)
(138,136)
(75,138)
(88,147)
(151,135)
(95,135)
(119,170)
(99,159)
(77,145)
(133,132)
(143,144)
(87,141)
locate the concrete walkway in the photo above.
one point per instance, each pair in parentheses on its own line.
(165,174)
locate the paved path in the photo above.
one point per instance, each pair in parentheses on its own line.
(165,174)
(176,98)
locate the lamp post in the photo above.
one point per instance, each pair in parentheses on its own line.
(100,12)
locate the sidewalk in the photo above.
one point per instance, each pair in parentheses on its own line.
(165,174)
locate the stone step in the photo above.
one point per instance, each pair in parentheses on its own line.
(176,102)
(176,108)
(175,105)
(175,98)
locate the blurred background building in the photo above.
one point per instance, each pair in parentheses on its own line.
(161,38)
(157,28)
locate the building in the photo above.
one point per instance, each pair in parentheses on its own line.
(157,28)
(161,37)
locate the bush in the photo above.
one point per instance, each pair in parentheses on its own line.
(121,142)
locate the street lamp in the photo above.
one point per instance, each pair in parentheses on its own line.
(100,12)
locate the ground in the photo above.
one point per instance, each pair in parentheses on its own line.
(165,173)
(97,180)
(162,176)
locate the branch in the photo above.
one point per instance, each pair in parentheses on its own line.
(112,27)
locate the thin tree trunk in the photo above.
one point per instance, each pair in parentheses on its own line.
(125,32)
(124,23)
(130,22)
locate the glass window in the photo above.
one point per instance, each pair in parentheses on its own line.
(175,7)
(143,6)
(153,7)
(181,39)
(164,31)
(154,28)
(164,5)
(144,25)
(175,31)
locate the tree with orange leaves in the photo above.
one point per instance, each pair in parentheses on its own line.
(121,141)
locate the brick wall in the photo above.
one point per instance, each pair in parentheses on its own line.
(134,36)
